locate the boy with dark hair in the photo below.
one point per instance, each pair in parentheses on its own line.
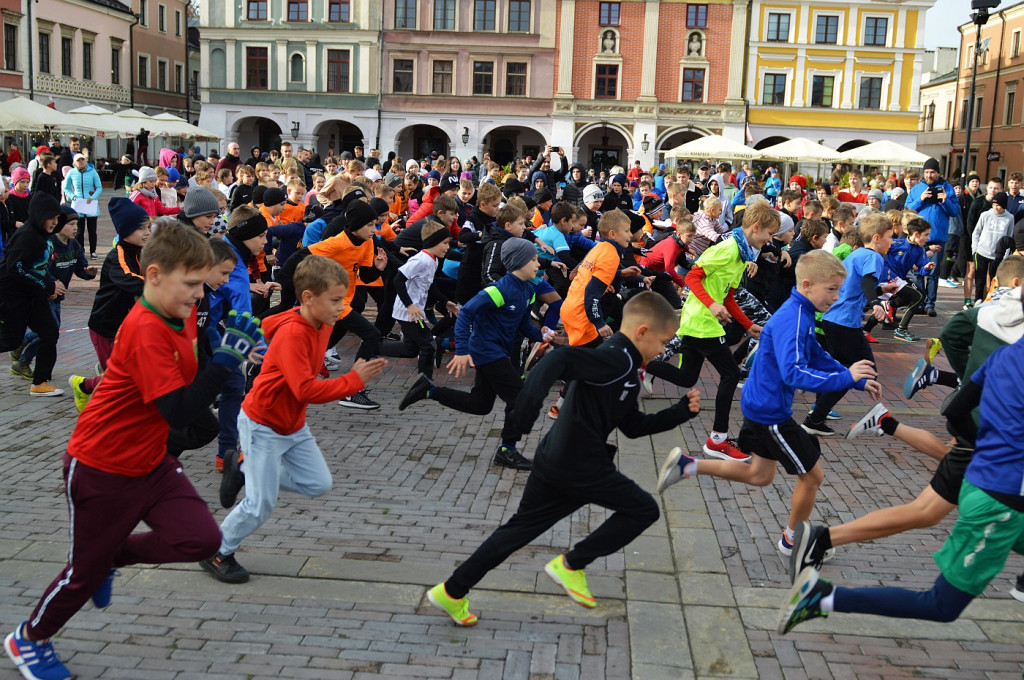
(788,358)
(484,331)
(713,281)
(843,322)
(279,450)
(117,472)
(575,464)
(414,285)
(906,257)
(28,286)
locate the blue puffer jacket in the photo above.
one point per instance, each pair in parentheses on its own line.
(79,184)
(488,322)
(235,293)
(789,358)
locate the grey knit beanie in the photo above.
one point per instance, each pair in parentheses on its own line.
(199,201)
(516,253)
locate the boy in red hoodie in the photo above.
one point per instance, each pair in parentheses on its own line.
(279,450)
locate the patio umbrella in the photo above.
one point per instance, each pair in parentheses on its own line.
(179,127)
(713,146)
(884,152)
(24,115)
(800,150)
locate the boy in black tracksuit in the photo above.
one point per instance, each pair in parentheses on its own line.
(574,464)
(27,284)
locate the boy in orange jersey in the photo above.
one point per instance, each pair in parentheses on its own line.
(279,450)
(117,471)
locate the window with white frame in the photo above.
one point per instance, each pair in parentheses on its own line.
(444,15)
(86,60)
(144,12)
(778,27)
(1009,103)
(1015,44)
(405,14)
(774,90)
(870,93)
(179,78)
(177,23)
(443,70)
(483,77)
(483,14)
(606,81)
(10,47)
(161,18)
(519,16)
(826,29)
(338,62)
(875,31)
(143,75)
(402,80)
(161,75)
(693,85)
(515,79)
(822,91)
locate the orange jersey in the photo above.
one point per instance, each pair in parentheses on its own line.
(601,262)
(292,213)
(350,256)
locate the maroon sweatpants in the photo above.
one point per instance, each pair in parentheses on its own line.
(104,347)
(104,509)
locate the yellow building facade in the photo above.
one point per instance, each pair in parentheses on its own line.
(841,73)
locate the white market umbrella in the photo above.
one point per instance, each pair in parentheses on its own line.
(800,150)
(713,146)
(99,121)
(92,109)
(24,115)
(174,126)
(884,152)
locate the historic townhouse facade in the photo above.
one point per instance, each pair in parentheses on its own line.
(160,56)
(307,71)
(74,52)
(837,71)
(467,77)
(997,127)
(639,77)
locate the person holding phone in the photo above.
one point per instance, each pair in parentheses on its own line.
(935,201)
(543,164)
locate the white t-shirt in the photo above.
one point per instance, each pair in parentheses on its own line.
(419,270)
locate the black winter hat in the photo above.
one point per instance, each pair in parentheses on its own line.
(543,194)
(274,196)
(379,205)
(358,214)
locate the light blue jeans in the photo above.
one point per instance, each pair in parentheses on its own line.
(292,462)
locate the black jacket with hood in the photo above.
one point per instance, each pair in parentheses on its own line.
(25,265)
(573,192)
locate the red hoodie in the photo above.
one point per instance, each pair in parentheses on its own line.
(288,382)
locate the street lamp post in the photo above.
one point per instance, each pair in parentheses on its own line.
(980,17)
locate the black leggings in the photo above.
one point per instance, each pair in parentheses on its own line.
(357,323)
(983,269)
(90,225)
(910,297)
(545,503)
(693,352)
(21,312)
(847,346)
(496,379)
(416,341)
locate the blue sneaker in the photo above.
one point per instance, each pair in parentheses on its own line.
(921,376)
(832,415)
(101,598)
(35,660)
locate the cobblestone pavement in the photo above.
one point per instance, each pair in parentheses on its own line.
(338,582)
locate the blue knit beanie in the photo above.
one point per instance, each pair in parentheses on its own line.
(127,216)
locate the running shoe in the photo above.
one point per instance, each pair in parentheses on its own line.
(35,660)
(948,283)
(419,391)
(931,349)
(332,361)
(803,602)
(509,457)
(871,422)
(233,480)
(457,610)
(22,370)
(15,354)
(727,450)
(811,547)
(905,335)
(673,470)
(537,350)
(46,389)
(820,429)
(572,581)
(81,398)
(647,380)
(921,376)
(870,338)
(101,598)
(784,545)
(360,400)
(832,415)
(225,568)
(1017,592)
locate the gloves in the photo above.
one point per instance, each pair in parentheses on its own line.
(241,335)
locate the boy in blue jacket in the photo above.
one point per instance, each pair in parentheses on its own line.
(484,332)
(788,358)
(904,256)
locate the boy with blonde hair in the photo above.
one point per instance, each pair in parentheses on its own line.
(788,358)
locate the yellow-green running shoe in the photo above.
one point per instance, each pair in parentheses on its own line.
(931,349)
(81,398)
(458,610)
(21,369)
(572,581)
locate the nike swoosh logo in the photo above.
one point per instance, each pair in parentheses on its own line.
(629,384)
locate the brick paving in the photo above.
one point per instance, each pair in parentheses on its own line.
(337,588)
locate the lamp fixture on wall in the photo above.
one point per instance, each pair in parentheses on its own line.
(295,129)
(645,145)
(465,135)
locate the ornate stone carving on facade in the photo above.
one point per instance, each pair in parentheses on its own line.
(609,42)
(695,47)
(72,87)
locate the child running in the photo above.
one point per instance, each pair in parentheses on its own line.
(116,470)
(484,331)
(575,463)
(713,281)
(278,448)
(788,358)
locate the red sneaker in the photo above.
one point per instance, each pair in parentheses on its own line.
(324,373)
(727,450)
(870,338)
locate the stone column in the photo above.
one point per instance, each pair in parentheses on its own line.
(566,38)
(648,78)
(737,47)
(230,67)
(282,66)
(312,59)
